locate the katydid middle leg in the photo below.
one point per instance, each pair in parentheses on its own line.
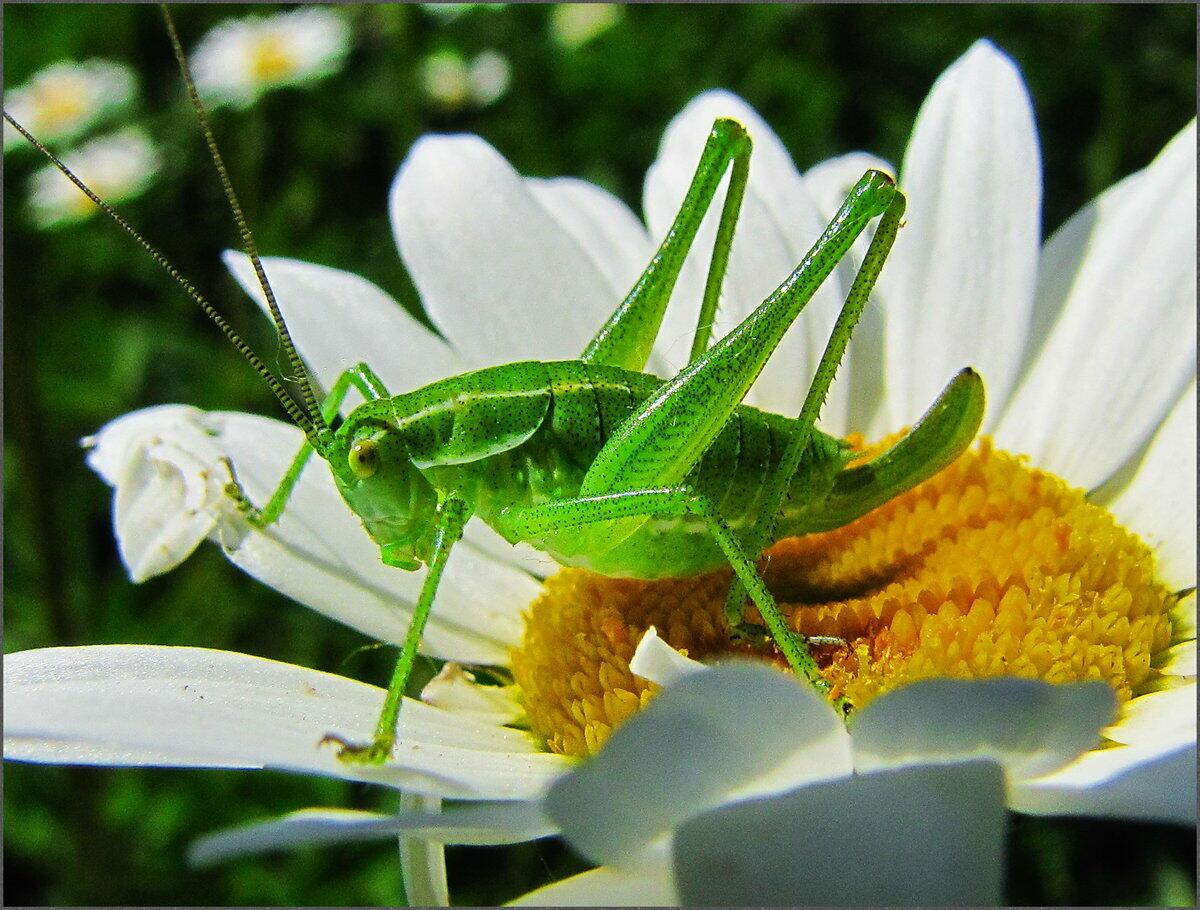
(370,386)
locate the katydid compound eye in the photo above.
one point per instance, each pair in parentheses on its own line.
(364,458)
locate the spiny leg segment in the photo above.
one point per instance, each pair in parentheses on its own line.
(761,534)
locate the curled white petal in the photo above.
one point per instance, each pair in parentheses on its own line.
(656,661)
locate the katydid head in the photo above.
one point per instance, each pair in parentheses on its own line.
(375,474)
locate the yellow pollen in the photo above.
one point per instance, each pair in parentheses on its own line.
(271,59)
(990,568)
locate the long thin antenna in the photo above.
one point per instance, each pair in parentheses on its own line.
(298,416)
(310,398)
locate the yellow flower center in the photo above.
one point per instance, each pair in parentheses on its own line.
(58,104)
(990,568)
(271,59)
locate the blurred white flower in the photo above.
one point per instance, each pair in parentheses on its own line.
(573,25)
(240,59)
(451,83)
(61,102)
(735,783)
(117,167)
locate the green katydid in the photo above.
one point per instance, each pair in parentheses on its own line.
(595,462)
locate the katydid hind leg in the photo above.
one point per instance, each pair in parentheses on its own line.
(780,479)
(627,337)
(665,438)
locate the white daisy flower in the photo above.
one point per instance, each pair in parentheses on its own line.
(117,167)
(996,566)
(451,83)
(240,59)
(573,25)
(62,102)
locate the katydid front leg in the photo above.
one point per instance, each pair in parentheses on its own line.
(452,515)
(361,377)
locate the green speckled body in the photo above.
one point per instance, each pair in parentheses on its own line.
(524,434)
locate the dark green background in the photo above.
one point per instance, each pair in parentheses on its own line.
(92,330)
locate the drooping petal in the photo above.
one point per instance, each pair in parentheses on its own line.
(960,282)
(643,885)
(1027,726)
(926,836)
(168,485)
(484,824)
(1117,310)
(778,223)
(198,708)
(338,319)
(1160,502)
(706,736)
(423,862)
(498,274)
(1145,783)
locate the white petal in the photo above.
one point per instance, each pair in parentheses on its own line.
(497,273)
(422,861)
(656,661)
(319,554)
(960,283)
(602,225)
(1183,619)
(1160,717)
(338,319)
(1160,502)
(829,182)
(196,708)
(1143,783)
(454,689)
(1179,660)
(608,886)
(778,223)
(704,737)
(925,836)
(485,824)
(1027,726)
(168,485)
(1121,345)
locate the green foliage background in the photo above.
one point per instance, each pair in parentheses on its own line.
(93,330)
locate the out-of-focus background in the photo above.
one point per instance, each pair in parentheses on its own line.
(93,330)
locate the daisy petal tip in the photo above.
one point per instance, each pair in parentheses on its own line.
(656,661)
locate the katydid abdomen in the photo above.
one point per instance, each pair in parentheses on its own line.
(523,434)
